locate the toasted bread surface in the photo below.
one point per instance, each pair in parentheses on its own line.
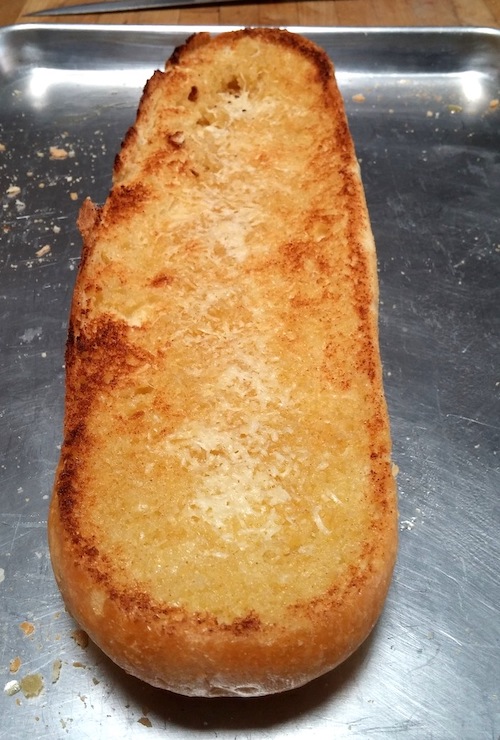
(224,511)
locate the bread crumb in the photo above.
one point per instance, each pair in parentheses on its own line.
(27,627)
(408,524)
(56,229)
(494,103)
(73,196)
(81,638)
(2,147)
(15,664)
(58,153)
(144,721)
(12,191)
(12,687)
(43,250)
(359,98)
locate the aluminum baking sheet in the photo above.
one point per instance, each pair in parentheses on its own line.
(424,110)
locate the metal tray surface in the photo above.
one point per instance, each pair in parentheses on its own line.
(424,113)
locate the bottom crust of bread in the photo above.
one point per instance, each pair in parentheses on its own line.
(193,655)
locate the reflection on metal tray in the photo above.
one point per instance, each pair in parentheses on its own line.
(425,115)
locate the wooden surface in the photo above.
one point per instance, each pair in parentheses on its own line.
(306,13)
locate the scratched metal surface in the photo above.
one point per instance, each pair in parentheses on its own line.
(427,128)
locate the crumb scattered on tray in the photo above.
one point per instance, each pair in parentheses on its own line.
(12,191)
(43,250)
(58,153)
(494,103)
(144,721)
(12,687)
(27,627)
(408,524)
(81,638)
(359,98)
(15,664)
(73,196)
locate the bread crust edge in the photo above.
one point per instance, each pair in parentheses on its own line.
(191,654)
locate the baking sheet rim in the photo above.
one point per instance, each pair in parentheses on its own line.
(218,28)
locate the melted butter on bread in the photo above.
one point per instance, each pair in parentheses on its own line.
(224,516)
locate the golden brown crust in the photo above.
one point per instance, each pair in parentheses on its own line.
(224,512)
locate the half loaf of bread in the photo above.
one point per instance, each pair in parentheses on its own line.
(224,512)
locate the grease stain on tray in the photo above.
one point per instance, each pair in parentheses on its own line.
(32,685)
